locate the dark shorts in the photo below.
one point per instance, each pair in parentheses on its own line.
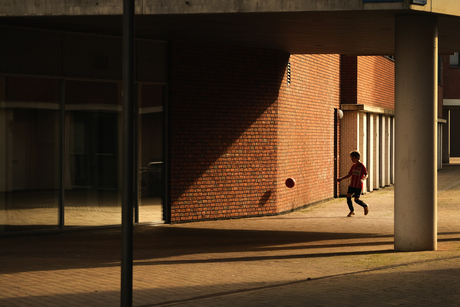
(356,192)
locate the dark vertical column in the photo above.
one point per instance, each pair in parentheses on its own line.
(166,164)
(335,151)
(128,155)
(136,151)
(62,158)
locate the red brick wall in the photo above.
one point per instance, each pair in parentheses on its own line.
(223,134)
(238,131)
(376,81)
(306,130)
(451,80)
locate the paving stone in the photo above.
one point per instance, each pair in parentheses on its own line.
(313,257)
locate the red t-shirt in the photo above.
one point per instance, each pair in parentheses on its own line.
(357,172)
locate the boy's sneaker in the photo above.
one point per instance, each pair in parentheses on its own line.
(366,210)
(350,214)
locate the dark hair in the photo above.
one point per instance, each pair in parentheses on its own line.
(355,154)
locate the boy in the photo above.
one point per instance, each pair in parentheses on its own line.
(358,174)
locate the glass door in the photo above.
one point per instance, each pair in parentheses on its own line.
(150,152)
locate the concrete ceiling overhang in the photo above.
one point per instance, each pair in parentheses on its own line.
(352,29)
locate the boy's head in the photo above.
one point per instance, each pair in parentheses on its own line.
(355,155)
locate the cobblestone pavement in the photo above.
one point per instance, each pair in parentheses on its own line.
(313,257)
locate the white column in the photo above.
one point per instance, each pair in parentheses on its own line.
(416,50)
(387,150)
(376,169)
(446,137)
(362,137)
(392,160)
(370,156)
(439,146)
(383,151)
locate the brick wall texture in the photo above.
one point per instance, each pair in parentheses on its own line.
(376,81)
(451,78)
(367,80)
(223,134)
(238,130)
(306,130)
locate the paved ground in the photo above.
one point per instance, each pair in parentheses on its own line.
(314,257)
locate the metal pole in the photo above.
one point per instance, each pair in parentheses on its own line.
(136,152)
(128,155)
(165,165)
(62,158)
(335,152)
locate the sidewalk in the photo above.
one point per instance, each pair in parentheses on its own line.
(313,257)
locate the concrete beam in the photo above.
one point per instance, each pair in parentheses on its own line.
(147,7)
(367,109)
(447,7)
(114,7)
(59,8)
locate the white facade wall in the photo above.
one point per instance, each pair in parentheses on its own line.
(372,134)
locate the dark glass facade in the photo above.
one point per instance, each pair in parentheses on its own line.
(61,126)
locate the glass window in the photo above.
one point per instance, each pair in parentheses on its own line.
(29,153)
(454,61)
(150,156)
(92,153)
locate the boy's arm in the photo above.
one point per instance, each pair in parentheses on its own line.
(344,177)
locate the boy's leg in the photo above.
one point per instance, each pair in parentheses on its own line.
(362,204)
(350,204)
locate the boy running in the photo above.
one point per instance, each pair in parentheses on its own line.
(358,174)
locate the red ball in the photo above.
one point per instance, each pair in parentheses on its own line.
(290,182)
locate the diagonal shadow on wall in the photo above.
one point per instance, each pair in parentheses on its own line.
(223,130)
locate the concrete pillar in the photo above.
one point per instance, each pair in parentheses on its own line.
(387,150)
(383,157)
(362,140)
(376,168)
(370,156)
(439,146)
(416,50)
(392,160)
(446,137)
